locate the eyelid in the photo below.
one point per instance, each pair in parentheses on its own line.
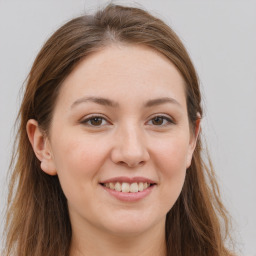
(85,120)
(169,119)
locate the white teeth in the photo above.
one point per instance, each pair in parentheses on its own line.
(134,187)
(141,187)
(126,187)
(118,186)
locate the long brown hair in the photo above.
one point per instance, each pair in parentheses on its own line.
(37,215)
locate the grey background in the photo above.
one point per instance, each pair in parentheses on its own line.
(221,39)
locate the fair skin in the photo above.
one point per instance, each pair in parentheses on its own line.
(140,134)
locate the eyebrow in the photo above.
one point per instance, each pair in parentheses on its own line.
(98,100)
(160,101)
(111,103)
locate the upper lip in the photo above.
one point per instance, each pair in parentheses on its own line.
(128,180)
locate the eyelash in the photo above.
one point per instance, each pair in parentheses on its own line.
(168,120)
(89,119)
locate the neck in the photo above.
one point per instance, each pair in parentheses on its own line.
(94,242)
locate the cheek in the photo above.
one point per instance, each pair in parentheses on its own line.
(78,160)
(77,154)
(174,168)
(171,164)
(171,154)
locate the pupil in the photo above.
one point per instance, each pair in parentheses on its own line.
(158,120)
(96,121)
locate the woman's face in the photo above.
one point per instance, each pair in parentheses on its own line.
(120,123)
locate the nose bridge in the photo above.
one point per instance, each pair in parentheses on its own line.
(130,146)
(133,139)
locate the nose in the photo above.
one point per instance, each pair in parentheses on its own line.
(130,148)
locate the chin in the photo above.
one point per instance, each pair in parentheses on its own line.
(131,225)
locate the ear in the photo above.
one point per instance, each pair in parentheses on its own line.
(41,146)
(193,140)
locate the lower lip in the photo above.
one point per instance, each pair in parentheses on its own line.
(129,197)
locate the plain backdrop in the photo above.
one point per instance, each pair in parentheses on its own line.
(221,39)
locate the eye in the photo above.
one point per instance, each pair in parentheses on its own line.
(94,121)
(161,121)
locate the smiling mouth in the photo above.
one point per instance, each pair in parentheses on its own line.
(126,187)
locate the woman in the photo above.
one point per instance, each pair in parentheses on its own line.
(109,154)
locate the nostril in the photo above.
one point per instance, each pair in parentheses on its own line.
(131,165)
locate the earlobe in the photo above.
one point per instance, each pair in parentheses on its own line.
(41,147)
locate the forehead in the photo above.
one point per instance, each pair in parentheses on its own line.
(124,70)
